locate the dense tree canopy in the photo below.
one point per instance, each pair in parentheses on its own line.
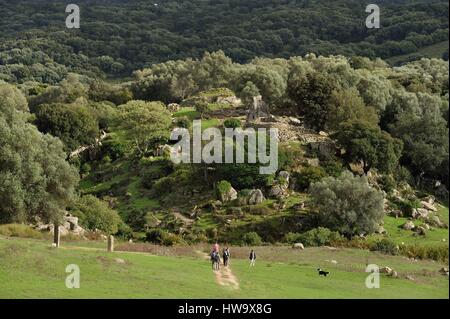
(35,179)
(117,38)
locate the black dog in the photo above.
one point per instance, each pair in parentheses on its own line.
(323,272)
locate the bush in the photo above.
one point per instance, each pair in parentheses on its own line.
(348,204)
(85,169)
(232,123)
(315,237)
(252,239)
(332,167)
(137,219)
(292,238)
(96,214)
(407,206)
(124,231)
(222,188)
(387,183)
(183,122)
(307,176)
(385,246)
(113,147)
(164,185)
(156,170)
(402,174)
(162,237)
(19,230)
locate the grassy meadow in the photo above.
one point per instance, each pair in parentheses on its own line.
(30,268)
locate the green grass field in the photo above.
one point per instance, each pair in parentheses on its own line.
(32,269)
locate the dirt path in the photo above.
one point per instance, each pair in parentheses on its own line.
(224,276)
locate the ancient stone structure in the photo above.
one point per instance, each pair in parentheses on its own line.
(258,109)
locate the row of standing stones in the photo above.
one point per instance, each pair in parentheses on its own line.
(57,239)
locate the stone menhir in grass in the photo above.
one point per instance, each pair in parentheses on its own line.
(56,236)
(110,243)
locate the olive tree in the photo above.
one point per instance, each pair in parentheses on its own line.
(35,178)
(145,124)
(347,204)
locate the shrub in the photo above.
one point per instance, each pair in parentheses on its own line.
(438,253)
(124,231)
(154,171)
(407,206)
(309,175)
(183,122)
(137,219)
(19,230)
(164,185)
(315,237)
(162,237)
(252,239)
(113,147)
(222,188)
(232,123)
(385,246)
(348,204)
(332,167)
(402,174)
(85,169)
(95,214)
(387,183)
(292,238)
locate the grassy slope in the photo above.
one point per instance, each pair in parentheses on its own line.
(434,237)
(30,268)
(432,51)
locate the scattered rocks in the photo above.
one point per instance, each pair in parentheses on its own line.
(410,278)
(393,274)
(409,225)
(119,260)
(386,270)
(232,100)
(420,213)
(295,121)
(283,177)
(396,213)
(428,206)
(313,162)
(277,191)
(381,230)
(389,272)
(299,246)
(256,197)
(421,231)
(444,271)
(430,199)
(229,196)
(68,226)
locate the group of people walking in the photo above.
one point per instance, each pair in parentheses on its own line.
(215,257)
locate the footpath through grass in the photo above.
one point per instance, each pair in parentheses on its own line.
(32,269)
